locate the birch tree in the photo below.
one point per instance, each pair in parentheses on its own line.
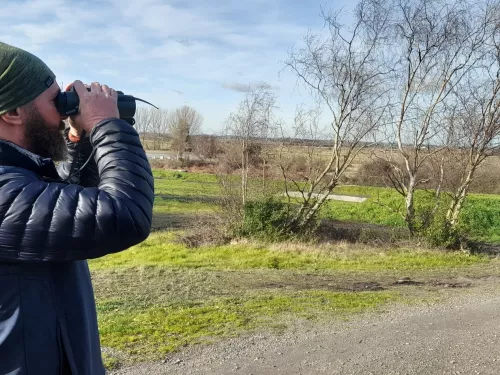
(344,68)
(249,125)
(438,44)
(478,111)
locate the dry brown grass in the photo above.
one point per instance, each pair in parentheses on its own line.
(366,169)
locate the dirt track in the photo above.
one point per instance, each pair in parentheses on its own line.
(459,336)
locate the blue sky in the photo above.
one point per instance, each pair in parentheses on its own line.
(200,53)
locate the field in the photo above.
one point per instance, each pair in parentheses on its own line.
(178,193)
(160,296)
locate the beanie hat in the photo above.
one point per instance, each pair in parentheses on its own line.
(23,77)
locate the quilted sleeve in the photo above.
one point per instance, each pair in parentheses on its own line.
(48,221)
(78,155)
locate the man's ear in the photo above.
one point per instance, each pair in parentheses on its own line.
(13,117)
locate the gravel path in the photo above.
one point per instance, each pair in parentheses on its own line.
(459,336)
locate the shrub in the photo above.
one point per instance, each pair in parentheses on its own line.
(374,173)
(485,181)
(268,219)
(166,163)
(440,233)
(206,230)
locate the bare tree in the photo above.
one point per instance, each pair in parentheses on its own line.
(142,122)
(302,160)
(478,114)
(205,146)
(249,125)
(183,123)
(438,43)
(345,71)
(151,123)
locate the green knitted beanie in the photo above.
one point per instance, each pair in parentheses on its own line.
(23,77)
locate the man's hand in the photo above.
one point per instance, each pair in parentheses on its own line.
(95,105)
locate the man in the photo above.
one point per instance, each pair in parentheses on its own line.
(49,227)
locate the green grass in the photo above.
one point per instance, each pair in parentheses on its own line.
(179,195)
(179,192)
(183,184)
(159,250)
(383,205)
(480,217)
(185,176)
(166,205)
(110,362)
(149,334)
(369,211)
(160,295)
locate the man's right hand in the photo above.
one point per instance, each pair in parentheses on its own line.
(96,105)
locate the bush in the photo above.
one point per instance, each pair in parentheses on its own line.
(205,146)
(206,230)
(440,233)
(486,182)
(268,219)
(186,164)
(357,232)
(166,163)
(376,172)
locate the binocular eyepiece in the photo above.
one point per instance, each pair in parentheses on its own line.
(68,104)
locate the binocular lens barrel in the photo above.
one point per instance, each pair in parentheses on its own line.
(67,104)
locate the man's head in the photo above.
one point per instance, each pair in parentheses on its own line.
(28,116)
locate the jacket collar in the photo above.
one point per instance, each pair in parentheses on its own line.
(16,156)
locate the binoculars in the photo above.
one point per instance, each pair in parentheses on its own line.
(68,104)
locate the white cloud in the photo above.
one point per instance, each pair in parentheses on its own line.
(31,9)
(198,38)
(236,86)
(126,37)
(244,87)
(40,33)
(194,47)
(167,21)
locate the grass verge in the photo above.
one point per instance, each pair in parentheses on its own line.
(159,296)
(160,250)
(149,334)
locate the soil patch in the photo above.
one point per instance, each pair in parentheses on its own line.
(361,286)
(306,282)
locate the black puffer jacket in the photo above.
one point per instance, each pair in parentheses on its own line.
(48,228)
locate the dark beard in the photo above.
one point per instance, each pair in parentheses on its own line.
(44,141)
